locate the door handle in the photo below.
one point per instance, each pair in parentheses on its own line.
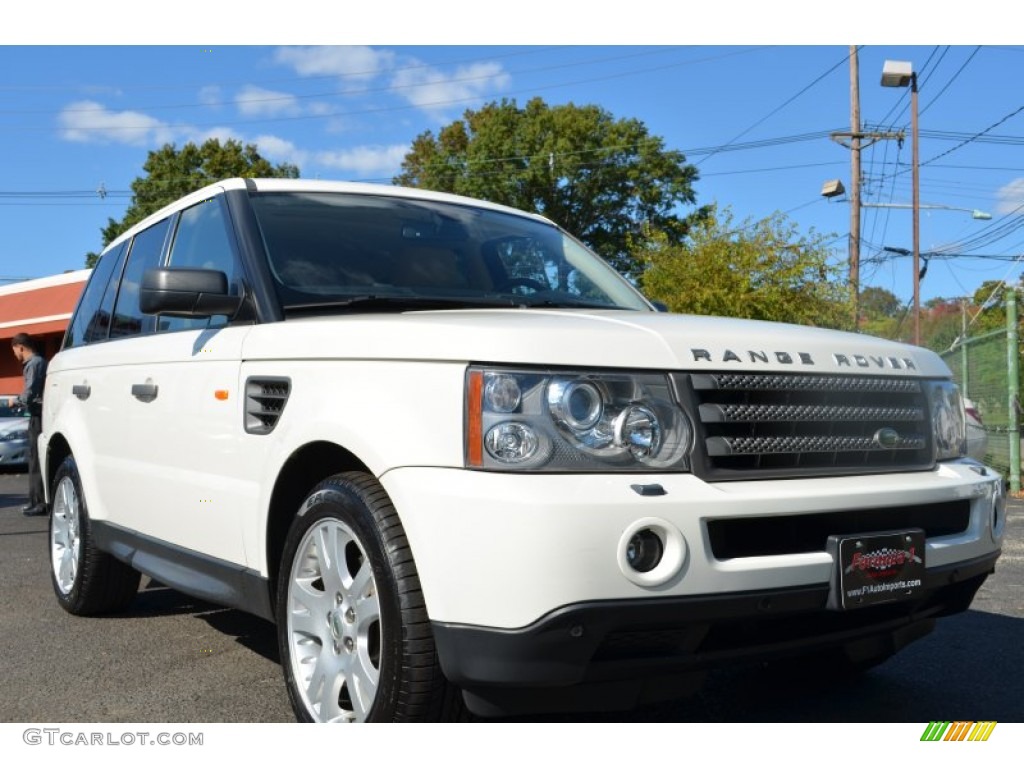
(81,391)
(144,392)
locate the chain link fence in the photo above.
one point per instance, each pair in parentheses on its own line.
(980,367)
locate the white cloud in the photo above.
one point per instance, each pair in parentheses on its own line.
(91,122)
(253,100)
(220,132)
(1011,197)
(437,92)
(210,95)
(351,62)
(280,150)
(368,161)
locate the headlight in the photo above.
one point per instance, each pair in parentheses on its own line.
(21,434)
(567,421)
(949,425)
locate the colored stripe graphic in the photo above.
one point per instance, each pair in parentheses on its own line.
(982,731)
(960,730)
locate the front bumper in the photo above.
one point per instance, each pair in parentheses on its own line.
(503,550)
(530,598)
(625,648)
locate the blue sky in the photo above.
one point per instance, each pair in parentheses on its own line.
(753,114)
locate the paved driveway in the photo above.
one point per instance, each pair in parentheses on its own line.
(171,658)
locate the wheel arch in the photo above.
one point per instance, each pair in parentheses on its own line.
(57,449)
(306,467)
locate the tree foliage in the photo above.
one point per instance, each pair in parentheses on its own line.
(172,173)
(942,319)
(601,178)
(763,270)
(877,303)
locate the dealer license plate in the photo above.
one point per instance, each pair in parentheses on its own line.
(877,568)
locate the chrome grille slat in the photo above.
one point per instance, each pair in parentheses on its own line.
(797,383)
(712,413)
(727,446)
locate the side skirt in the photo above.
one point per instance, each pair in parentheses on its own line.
(188,571)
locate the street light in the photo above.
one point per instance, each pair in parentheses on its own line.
(975,213)
(900,74)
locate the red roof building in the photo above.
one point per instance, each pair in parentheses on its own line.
(41,308)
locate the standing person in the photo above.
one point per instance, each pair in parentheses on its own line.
(34,368)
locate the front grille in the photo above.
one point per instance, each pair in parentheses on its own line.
(794,534)
(796,425)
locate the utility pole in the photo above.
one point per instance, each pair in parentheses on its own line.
(855,185)
(915,162)
(857,139)
(1014,387)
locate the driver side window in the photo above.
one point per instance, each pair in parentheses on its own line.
(202,240)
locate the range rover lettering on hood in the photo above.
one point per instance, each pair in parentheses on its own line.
(804,358)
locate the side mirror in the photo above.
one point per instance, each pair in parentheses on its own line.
(661,306)
(185,292)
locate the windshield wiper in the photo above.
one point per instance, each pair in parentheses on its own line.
(568,303)
(391,303)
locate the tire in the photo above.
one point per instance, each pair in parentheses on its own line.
(85,580)
(353,631)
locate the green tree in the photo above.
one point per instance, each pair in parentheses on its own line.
(172,173)
(940,323)
(601,178)
(763,270)
(877,303)
(882,313)
(988,307)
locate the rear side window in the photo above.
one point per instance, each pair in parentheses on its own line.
(145,254)
(92,320)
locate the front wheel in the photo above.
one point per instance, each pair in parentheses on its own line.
(353,630)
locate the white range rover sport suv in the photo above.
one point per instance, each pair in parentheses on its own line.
(467,469)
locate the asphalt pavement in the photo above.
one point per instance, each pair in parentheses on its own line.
(170,658)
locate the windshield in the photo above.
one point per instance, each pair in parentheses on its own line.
(10,407)
(327,249)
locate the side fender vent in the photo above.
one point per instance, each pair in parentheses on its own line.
(265,398)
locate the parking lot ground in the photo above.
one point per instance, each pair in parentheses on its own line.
(170,658)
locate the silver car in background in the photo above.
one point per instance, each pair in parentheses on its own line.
(13,433)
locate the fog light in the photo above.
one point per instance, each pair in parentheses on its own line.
(644,551)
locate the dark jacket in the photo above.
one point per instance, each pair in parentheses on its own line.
(34,370)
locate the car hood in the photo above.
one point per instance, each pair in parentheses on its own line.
(10,423)
(619,339)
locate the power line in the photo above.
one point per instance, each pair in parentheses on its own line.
(347,92)
(301,78)
(401,108)
(784,104)
(950,81)
(42,195)
(976,136)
